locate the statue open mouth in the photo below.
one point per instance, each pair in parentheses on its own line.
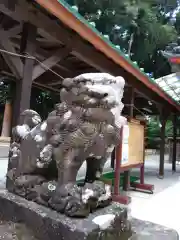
(85,126)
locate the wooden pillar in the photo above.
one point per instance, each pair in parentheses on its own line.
(131,109)
(174,142)
(163,120)
(6,126)
(23,87)
(126,182)
(22,93)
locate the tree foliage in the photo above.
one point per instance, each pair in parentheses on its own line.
(154,129)
(177,23)
(43,101)
(141,28)
(134,25)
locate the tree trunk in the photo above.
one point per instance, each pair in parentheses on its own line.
(130,44)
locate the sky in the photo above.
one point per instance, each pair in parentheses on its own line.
(177,10)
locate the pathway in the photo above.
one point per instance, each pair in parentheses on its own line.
(162,207)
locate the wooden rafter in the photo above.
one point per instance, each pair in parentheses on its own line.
(55,83)
(47,36)
(14,62)
(50,62)
(46,87)
(10,4)
(28,45)
(53,30)
(14,30)
(42,55)
(35,84)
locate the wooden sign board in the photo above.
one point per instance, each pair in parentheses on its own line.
(133,146)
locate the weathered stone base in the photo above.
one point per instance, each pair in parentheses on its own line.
(47,224)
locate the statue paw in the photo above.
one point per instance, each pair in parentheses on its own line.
(24,183)
(45,157)
(76,208)
(42,193)
(68,199)
(97,194)
(106,197)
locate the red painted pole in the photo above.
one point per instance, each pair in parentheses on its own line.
(142,167)
(142,174)
(118,157)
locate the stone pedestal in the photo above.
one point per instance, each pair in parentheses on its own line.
(48,224)
(104,224)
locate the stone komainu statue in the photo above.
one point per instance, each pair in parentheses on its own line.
(45,156)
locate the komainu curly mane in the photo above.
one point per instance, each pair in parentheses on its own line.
(85,126)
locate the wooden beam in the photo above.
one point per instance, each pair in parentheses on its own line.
(42,54)
(131,100)
(164,114)
(149,94)
(47,36)
(72,74)
(19,14)
(12,32)
(53,29)
(50,62)
(35,84)
(55,83)
(28,45)
(14,62)
(126,181)
(4,8)
(162,149)
(42,86)
(11,4)
(23,88)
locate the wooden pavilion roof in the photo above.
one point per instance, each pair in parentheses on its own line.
(67,45)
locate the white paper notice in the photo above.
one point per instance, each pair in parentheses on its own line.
(125,147)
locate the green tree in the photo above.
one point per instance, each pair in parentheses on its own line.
(43,101)
(177,23)
(141,28)
(153,131)
(134,25)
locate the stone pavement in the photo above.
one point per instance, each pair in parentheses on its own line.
(162,207)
